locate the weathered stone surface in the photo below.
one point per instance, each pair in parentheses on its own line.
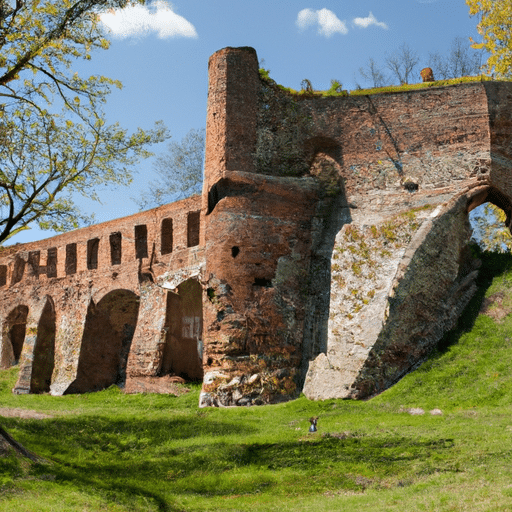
(331,254)
(100,321)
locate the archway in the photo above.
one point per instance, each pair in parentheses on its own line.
(14,335)
(490,226)
(106,342)
(44,350)
(184,323)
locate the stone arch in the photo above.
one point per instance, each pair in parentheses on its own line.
(14,335)
(324,158)
(322,144)
(106,341)
(183,348)
(44,350)
(495,196)
(325,161)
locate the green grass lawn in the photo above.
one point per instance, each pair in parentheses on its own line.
(113,452)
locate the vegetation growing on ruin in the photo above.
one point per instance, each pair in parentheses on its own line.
(362,253)
(116,452)
(374,90)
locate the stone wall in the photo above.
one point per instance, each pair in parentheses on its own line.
(327,254)
(93,301)
(363,200)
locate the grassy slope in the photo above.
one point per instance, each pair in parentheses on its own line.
(152,452)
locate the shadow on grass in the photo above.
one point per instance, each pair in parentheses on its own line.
(122,459)
(493,265)
(384,452)
(126,461)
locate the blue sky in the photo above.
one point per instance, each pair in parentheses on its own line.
(160,53)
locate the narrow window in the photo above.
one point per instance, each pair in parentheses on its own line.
(193,221)
(92,253)
(115,248)
(51,262)
(33,262)
(19,269)
(141,241)
(166,234)
(3,275)
(70,259)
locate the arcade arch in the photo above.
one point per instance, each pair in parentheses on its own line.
(44,350)
(14,336)
(183,348)
(106,341)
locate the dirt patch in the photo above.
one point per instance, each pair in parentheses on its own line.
(494,307)
(14,412)
(169,385)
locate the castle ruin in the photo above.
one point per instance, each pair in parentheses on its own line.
(328,253)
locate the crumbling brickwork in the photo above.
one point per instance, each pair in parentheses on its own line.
(93,302)
(327,253)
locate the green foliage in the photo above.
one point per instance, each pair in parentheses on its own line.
(335,89)
(180,172)
(264,74)
(495,27)
(55,140)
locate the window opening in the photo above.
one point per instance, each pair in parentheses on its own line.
(141,241)
(51,262)
(193,222)
(166,236)
(92,253)
(115,248)
(70,259)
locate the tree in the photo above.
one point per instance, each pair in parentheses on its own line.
(495,27)
(402,63)
(180,172)
(373,74)
(461,61)
(54,140)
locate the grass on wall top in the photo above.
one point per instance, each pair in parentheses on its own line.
(264,74)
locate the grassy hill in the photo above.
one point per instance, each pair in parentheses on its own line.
(116,452)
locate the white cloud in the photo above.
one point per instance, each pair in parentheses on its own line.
(369,20)
(141,20)
(328,22)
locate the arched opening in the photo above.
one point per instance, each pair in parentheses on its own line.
(325,160)
(44,350)
(14,335)
(490,215)
(184,323)
(108,333)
